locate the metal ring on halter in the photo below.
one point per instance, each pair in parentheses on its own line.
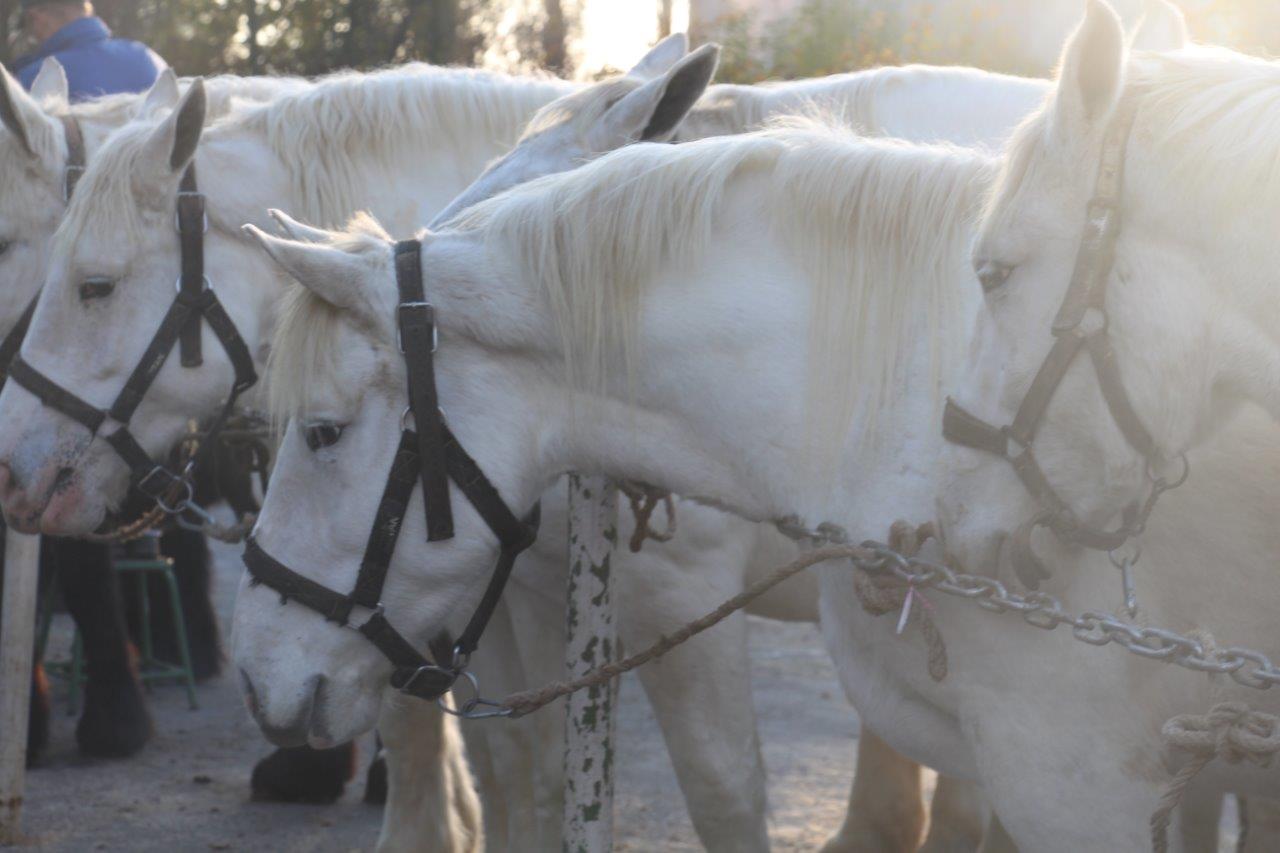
(183,504)
(1127,560)
(177,285)
(467,710)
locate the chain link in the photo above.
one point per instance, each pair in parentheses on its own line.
(1248,667)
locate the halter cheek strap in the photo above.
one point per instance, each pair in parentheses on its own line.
(433,456)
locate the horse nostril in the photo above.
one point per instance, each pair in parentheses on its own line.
(992,275)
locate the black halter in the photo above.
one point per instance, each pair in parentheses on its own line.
(12,342)
(431,454)
(195,300)
(1086,299)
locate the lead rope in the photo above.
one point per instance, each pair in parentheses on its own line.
(1230,731)
(528,701)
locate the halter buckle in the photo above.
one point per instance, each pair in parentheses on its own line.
(431,318)
(204,214)
(154,483)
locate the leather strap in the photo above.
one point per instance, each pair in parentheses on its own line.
(13,340)
(76,161)
(415,320)
(192,223)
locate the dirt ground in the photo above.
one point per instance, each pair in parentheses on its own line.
(188,790)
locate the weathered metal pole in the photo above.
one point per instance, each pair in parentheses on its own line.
(17,642)
(591,642)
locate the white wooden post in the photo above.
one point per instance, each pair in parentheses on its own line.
(591,642)
(17,643)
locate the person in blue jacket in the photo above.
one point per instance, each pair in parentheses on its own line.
(96,63)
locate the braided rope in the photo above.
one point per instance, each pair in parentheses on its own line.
(1230,731)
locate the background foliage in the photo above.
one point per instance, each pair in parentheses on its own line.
(818,37)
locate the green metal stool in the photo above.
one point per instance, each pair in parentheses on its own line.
(141,560)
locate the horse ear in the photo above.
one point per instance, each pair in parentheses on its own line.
(51,82)
(661,57)
(35,131)
(1163,28)
(654,111)
(1092,70)
(163,94)
(330,273)
(174,140)
(300,231)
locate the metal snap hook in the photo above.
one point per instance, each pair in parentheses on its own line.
(468,709)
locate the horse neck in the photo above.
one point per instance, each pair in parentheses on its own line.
(709,409)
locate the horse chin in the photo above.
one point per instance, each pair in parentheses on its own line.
(72,511)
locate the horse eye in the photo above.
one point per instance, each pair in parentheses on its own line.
(992,274)
(4,246)
(322,435)
(96,288)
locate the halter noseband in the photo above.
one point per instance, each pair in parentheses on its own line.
(194,301)
(430,455)
(1081,324)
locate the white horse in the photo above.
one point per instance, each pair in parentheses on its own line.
(751,803)
(719,258)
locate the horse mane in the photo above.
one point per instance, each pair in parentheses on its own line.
(1218,114)
(882,228)
(303,350)
(1215,116)
(319,134)
(324,135)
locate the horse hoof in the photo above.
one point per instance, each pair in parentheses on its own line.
(115,722)
(300,774)
(375,782)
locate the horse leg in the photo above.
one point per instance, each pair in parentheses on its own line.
(1260,822)
(375,778)
(957,817)
(300,774)
(115,722)
(511,759)
(431,803)
(886,810)
(191,569)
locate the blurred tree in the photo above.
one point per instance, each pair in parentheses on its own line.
(664,18)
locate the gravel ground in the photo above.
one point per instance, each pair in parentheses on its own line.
(188,790)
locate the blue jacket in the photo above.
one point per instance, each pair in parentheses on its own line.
(96,63)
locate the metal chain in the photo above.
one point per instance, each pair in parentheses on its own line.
(1248,667)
